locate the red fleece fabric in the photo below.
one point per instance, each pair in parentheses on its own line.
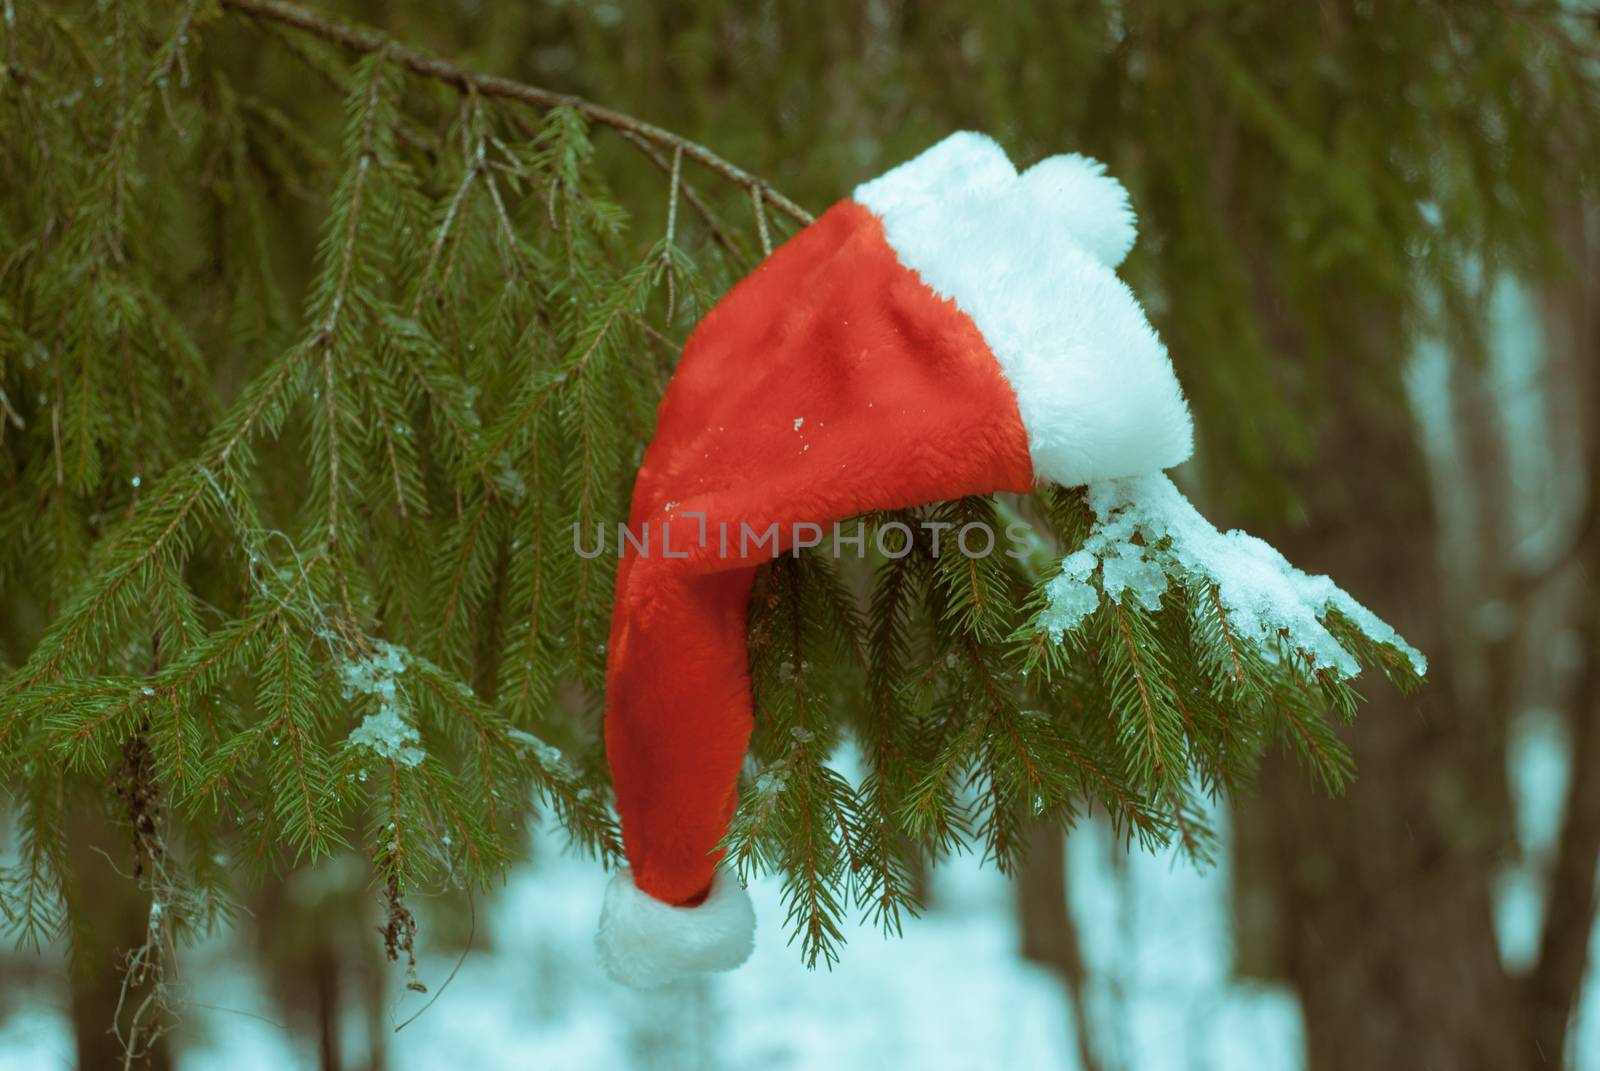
(830,382)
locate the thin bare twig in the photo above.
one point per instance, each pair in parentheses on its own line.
(672,195)
(472,931)
(758,201)
(719,230)
(361,39)
(672,233)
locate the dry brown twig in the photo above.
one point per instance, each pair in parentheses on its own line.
(145,983)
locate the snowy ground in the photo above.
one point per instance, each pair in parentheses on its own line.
(951,994)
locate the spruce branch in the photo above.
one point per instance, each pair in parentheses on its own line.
(159,524)
(482,349)
(1235,665)
(361,39)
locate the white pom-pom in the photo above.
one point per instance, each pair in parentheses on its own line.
(1091,206)
(1032,260)
(644,942)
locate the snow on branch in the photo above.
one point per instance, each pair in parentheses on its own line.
(1146,536)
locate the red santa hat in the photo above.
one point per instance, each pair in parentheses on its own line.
(953,328)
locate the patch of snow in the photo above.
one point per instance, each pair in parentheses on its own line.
(390,737)
(548,754)
(1538,771)
(376,673)
(1145,531)
(35,1032)
(508,479)
(388,733)
(772,781)
(1157,937)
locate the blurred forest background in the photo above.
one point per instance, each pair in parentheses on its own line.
(1369,238)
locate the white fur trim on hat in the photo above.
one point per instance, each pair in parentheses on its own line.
(644,942)
(1030,258)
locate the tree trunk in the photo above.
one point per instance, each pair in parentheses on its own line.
(1049,936)
(324,979)
(114,923)
(1383,896)
(1551,990)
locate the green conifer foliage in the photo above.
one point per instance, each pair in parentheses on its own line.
(296,422)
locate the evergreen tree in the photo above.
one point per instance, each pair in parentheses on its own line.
(317,350)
